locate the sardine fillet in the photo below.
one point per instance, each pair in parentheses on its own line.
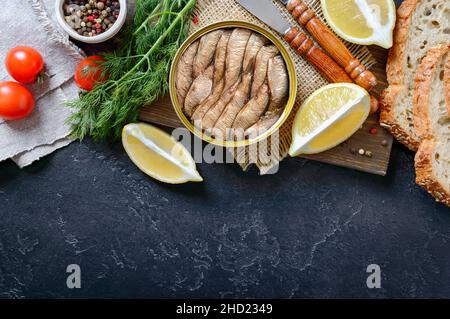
(238,101)
(216,110)
(253,110)
(219,82)
(199,91)
(261,65)
(235,55)
(278,79)
(264,124)
(220,57)
(255,43)
(206,51)
(203,108)
(184,76)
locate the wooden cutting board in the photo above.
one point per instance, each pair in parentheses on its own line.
(162,113)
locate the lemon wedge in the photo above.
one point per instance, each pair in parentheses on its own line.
(363,22)
(158,154)
(328,117)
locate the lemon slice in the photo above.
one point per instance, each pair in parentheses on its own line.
(159,155)
(328,117)
(363,22)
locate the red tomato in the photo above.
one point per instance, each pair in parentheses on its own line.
(89,73)
(16,101)
(24,64)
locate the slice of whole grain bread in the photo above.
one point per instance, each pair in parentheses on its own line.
(431,108)
(421,25)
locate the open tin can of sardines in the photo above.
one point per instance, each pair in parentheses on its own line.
(233,84)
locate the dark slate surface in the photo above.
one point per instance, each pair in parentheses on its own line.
(309,231)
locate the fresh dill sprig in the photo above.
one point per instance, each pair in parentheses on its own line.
(137,72)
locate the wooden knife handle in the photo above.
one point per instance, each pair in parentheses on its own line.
(331,44)
(323,63)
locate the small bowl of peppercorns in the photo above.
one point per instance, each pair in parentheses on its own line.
(91,21)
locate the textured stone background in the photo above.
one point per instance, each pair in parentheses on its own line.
(309,231)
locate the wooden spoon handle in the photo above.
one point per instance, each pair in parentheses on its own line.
(331,44)
(323,63)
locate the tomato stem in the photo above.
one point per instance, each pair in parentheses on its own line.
(40,79)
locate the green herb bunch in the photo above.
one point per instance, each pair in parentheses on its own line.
(137,72)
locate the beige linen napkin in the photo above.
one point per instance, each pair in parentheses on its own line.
(29,23)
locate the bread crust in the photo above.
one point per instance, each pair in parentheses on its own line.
(423,89)
(422,121)
(425,176)
(447,84)
(395,75)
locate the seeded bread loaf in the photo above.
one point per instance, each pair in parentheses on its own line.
(431,108)
(421,25)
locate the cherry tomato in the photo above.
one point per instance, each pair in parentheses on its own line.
(89,73)
(24,64)
(16,101)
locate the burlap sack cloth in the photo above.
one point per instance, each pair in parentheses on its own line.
(309,80)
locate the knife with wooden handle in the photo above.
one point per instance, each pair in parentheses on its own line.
(269,14)
(331,43)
